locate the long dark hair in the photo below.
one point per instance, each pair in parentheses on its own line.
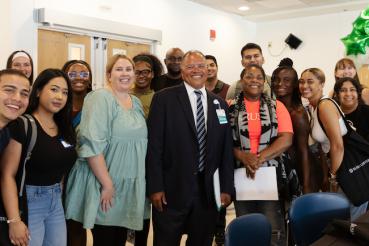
(287,64)
(62,118)
(9,62)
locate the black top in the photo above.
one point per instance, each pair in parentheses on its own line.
(360,118)
(164,82)
(4,138)
(51,157)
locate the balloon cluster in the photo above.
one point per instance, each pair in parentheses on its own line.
(357,41)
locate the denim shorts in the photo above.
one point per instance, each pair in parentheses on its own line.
(46,220)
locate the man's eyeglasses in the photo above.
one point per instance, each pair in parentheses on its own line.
(83,75)
(198,66)
(144,72)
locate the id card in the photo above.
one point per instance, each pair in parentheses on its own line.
(65,144)
(221,116)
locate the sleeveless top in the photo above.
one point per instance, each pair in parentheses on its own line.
(317,132)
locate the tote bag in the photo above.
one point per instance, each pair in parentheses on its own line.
(353,173)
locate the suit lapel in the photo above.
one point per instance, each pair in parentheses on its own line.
(210,124)
(211,116)
(186,107)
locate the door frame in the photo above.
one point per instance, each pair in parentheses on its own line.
(98,60)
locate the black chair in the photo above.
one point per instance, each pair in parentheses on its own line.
(311,213)
(250,230)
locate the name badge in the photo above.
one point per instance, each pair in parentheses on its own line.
(65,144)
(221,116)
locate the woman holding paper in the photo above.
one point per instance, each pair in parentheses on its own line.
(262,131)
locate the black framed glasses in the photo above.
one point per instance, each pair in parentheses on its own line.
(144,72)
(82,74)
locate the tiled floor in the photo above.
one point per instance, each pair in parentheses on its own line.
(230,216)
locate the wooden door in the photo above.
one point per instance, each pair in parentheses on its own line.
(127,48)
(55,48)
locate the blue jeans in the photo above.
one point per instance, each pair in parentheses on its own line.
(274,213)
(46,220)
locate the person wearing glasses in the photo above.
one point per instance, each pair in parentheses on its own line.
(189,139)
(173,59)
(79,73)
(106,186)
(148,68)
(262,131)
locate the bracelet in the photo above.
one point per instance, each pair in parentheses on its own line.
(332,175)
(17,219)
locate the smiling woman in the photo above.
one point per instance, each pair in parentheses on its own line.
(331,129)
(348,93)
(262,131)
(285,87)
(22,61)
(148,69)
(50,105)
(110,173)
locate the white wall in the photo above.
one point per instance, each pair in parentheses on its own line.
(17,28)
(321,45)
(183,24)
(186,25)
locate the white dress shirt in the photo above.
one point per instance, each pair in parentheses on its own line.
(193,100)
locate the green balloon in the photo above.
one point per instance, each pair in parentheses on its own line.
(357,41)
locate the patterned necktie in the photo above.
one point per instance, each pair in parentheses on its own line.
(201,131)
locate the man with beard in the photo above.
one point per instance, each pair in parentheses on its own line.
(173,77)
(213,84)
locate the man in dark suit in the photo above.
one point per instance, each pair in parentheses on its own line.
(189,139)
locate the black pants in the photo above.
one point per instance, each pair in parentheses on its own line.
(141,236)
(109,235)
(76,234)
(197,218)
(221,222)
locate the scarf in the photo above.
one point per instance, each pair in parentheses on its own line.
(240,127)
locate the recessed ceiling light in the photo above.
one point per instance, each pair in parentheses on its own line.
(243,8)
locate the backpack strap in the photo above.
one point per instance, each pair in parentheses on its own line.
(28,119)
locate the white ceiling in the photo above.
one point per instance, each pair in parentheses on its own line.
(267,10)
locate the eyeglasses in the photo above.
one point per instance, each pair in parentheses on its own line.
(193,66)
(174,59)
(74,74)
(144,72)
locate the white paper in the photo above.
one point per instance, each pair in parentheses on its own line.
(216,185)
(263,187)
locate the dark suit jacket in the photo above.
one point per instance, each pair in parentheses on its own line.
(172,154)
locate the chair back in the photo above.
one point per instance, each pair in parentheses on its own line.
(250,230)
(311,213)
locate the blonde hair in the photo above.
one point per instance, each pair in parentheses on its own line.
(113,60)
